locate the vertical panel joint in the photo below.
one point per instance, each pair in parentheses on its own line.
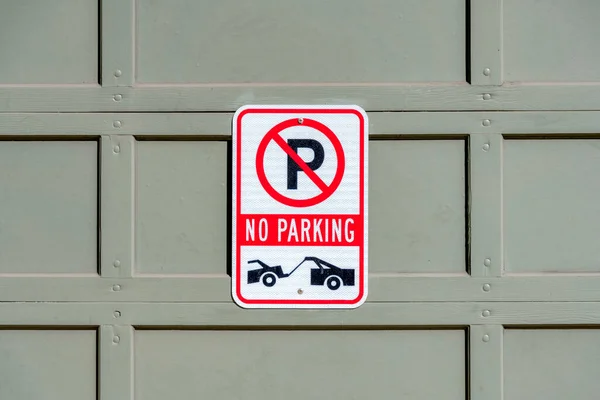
(486,42)
(485,163)
(116,362)
(486,362)
(116,213)
(117,42)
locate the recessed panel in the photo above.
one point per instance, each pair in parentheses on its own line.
(48,206)
(309,41)
(417,206)
(45,41)
(551,364)
(551,205)
(551,40)
(47,364)
(300,365)
(181,202)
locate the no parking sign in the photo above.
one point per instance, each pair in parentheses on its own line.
(300,206)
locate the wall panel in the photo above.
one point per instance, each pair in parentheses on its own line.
(300,364)
(551,205)
(49,42)
(417,206)
(48,364)
(181,207)
(551,40)
(48,206)
(551,364)
(284,42)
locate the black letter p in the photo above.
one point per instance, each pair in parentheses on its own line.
(293,168)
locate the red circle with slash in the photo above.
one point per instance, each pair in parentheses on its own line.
(274,134)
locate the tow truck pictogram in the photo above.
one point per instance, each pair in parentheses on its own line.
(326,274)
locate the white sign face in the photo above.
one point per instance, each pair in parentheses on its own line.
(299,201)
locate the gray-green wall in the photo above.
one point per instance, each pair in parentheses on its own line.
(115,126)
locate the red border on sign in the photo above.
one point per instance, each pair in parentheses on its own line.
(238,172)
(274,134)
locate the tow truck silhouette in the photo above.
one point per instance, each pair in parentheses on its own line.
(326,274)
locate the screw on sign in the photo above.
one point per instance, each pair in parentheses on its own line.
(300,205)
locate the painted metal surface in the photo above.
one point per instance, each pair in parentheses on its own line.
(484,119)
(308,42)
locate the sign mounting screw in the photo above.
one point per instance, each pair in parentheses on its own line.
(300,121)
(300,291)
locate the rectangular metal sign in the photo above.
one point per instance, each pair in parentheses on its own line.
(300,204)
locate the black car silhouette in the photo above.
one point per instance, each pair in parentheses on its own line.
(325,274)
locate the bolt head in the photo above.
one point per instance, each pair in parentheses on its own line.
(117,314)
(486,287)
(486,338)
(487,71)
(118,73)
(486,122)
(300,291)
(487,262)
(117,97)
(487,96)
(117,124)
(486,313)
(485,147)
(116,339)
(116,288)
(300,120)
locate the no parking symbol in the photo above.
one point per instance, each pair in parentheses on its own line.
(299,206)
(296,164)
